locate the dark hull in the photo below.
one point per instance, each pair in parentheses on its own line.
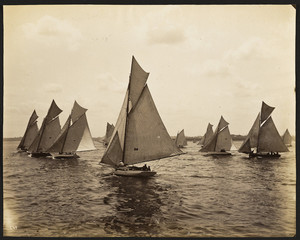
(264,155)
(39,154)
(134,173)
(64,156)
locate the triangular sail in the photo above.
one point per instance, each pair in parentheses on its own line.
(30,132)
(224,140)
(269,138)
(139,134)
(220,140)
(49,130)
(252,137)
(266,111)
(147,138)
(180,139)
(109,131)
(209,133)
(287,138)
(75,137)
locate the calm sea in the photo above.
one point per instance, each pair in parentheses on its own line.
(191,196)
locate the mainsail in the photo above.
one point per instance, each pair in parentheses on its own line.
(263,135)
(180,140)
(139,134)
(209,133)
(109,131)
(30,132)
(49,130)
(75,134)
(287,138)
(221,139)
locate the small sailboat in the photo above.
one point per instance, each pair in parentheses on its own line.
(30,133)
(287,138)
(220,142)
(75,135)
(180,140)
(48,132)
(139,134)
(263,136)
(109,131)
(209,133)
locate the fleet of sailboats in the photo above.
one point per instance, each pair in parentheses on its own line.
(220,142)
(139,134)
(263,139)
(180,140)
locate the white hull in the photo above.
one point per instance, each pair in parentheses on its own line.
(134,173)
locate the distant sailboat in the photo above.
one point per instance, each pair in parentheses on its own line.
(48,132)
(109,131)
(30,133)
(220,142)
(139,134)
(75,135)
(180,140)
(263,136)
(209,133)
(287,138)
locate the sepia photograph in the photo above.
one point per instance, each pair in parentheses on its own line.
(149,120)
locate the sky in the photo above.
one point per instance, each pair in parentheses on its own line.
(204,61)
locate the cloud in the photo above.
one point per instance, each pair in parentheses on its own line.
(107,82)
(166,35)
(53,88)
(53,32)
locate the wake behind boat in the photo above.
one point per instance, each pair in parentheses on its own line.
(139,133)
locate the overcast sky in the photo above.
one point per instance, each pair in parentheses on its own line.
(204,62)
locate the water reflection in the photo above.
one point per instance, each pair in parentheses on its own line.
(137,208)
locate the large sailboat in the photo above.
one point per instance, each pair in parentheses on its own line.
(109,131)
(30,133)
(139,134)
(287,138)
(48,132)
(209,133)
(263,136)
(180,140)
(220,142)
(75,135)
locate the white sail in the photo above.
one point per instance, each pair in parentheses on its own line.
(269,138)
(30,132)
(287,138)
(224,140)
(180,139)
(49,130)
(76,136)
(139,134)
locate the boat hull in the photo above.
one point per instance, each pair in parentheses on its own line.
(134,173)
(39,154)
(263,155)
(64,156)
(218,154)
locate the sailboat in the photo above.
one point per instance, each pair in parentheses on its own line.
(209,133)
(263,136)
(180,140)
(220,142)
(287,138)
(48,132)
(139,134)
(75,135)
(109,131)
(30,133)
